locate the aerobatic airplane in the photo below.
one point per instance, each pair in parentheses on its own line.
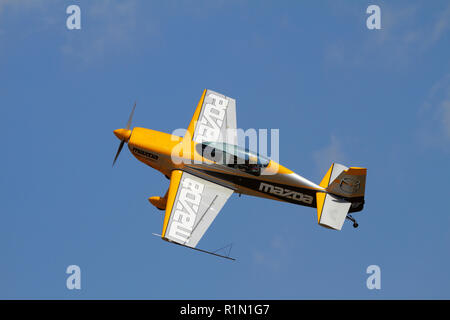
(206,166)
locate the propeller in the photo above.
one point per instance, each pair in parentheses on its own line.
(124,134)
(131,116)
(118,152)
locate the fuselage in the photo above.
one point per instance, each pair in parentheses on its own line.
(165,152)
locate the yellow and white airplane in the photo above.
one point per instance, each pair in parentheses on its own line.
(206,166)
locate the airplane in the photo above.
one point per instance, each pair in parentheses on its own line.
(206,166)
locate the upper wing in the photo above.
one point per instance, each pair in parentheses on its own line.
(214,119)
(192,205)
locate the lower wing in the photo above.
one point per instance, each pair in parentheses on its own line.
(192,205)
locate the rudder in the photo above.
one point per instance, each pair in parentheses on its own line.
(345,188)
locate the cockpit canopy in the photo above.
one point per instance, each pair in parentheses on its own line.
(233,157)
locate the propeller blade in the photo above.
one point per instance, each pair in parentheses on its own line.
(131,117)
(118,152)
(118,135)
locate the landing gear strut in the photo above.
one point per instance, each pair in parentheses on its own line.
(355,224)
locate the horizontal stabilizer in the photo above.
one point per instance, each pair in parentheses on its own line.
(331,210)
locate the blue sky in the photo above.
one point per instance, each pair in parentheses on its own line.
(337,92)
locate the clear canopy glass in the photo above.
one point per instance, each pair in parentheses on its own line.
(234,157)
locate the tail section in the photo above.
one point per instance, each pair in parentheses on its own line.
(345,189)
(350,183)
